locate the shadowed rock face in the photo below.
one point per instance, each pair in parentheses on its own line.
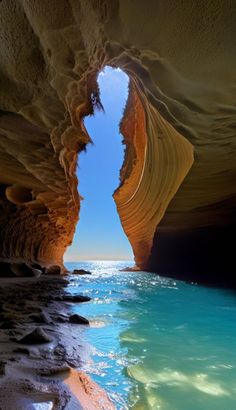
(177,191)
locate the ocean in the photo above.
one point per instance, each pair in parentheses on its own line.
(158,343)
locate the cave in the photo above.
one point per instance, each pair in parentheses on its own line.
(177,186)
(175,198)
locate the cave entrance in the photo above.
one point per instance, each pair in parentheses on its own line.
(99,234)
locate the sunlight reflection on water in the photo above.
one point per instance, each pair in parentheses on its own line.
(164,344)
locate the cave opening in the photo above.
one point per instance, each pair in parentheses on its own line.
(99,234)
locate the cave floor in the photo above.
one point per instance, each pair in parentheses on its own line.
(41,351)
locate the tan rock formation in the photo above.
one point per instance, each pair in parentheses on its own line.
(159,158)
(177,195)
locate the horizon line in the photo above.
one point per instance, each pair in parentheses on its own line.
(99,260)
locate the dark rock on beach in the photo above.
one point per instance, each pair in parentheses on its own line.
(53,270)
(24,270)
(78,319)
(73,298)
(81,272)
(37,336)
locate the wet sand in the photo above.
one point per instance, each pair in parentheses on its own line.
(42,350)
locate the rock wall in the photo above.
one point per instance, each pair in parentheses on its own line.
(178,179)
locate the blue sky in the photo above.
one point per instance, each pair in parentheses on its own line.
(99,234)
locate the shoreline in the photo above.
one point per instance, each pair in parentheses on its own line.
(48,372)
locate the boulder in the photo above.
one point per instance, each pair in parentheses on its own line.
(73,298)
(53,270)
(78,319)
(24,270)
(37,336)
(81,272)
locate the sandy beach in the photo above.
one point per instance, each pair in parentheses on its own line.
(42,348)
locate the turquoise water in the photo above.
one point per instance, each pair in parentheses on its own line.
(158,343)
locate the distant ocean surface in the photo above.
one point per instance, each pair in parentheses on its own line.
(158,343)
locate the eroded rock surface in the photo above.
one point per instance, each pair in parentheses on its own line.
(177,195)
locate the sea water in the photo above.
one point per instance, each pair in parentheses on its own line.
(158,343)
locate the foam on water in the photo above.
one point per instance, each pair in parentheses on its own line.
(44,405)
(158,343)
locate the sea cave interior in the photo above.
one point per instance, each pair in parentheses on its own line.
(117,199)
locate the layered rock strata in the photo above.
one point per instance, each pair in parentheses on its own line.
(176,200)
